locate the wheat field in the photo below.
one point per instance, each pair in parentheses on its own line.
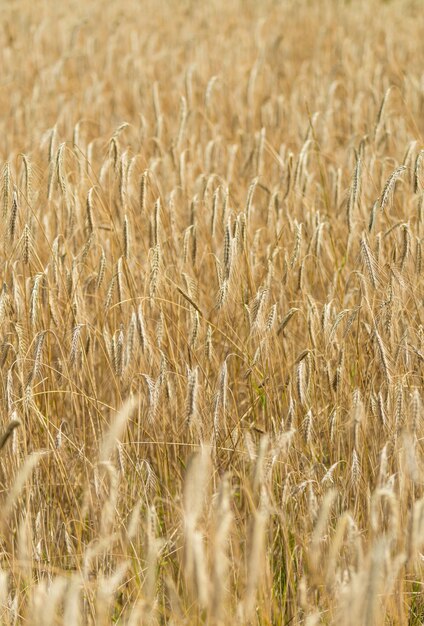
(211,333)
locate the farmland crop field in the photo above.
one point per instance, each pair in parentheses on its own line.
(211,313)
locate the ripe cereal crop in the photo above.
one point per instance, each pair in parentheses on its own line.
(211,313)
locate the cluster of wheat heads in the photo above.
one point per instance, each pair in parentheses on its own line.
(211,330)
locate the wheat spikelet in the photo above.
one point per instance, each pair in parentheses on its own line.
(380,114)
(182,170)
(222,294)
(101,271)
(249,200)
(123,178)
(186,243)
(143,191)
(339,371)
(109,294)
(27,246)
(389,186)
(154,388)
(6,179)
(116,430)
(4,302)
(160,328)
(28,177)
(301,382)
(227,250)
(119,352)
(141,329)
(418,257)
(89,210)
(194,334)
(354,192)
(114,151)
(76,333)
(296,247)
(12,425)
(399,402)
(209,343)
(35,294)
(318,239)
(307,426)
(415,411)
(13,215)
(130,344)
(156,222)
(406,245)
(301,163)
(118,275)
(417,166)
(373,214)
(286,319)
(381,410)
(420,208)
(183,120)
(384,361)
(260,152)
(191,397)
(154,270)
(223,384)
(270,320)
(300,276)
(23,476)
(369,262)
(126,238)
(257,306)
(215,203)
(355,469)
(60,157)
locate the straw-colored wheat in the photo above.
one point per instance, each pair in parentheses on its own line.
(211,322)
